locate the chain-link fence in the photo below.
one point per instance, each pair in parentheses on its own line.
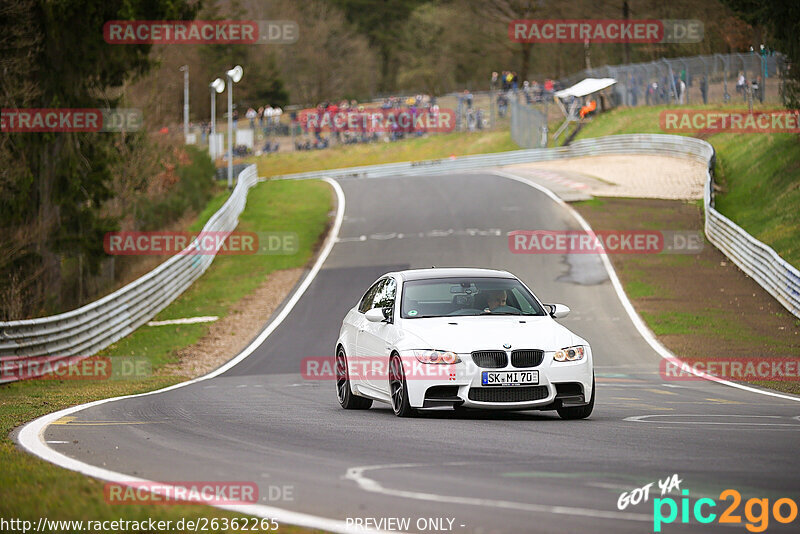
(720,78)
(695,80)
(528,125)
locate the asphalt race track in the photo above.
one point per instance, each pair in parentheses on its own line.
(488,472)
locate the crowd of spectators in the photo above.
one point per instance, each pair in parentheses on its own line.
(469,118)
(657,91)
(666,90)
(266,117)
(534,92)
(349,122)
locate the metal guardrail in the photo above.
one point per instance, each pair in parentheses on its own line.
(85,331)
(777,276)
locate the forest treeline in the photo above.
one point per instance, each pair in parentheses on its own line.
(61,192)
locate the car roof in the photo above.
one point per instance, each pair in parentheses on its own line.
(424,274)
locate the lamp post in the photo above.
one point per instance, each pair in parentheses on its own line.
(217,86)
(185,70)
(234,75)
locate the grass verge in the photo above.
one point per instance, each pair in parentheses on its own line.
(31,488)
(414,149)
(699,305)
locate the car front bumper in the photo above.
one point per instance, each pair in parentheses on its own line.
(560,384)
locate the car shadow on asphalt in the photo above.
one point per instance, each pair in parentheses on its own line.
(482,415)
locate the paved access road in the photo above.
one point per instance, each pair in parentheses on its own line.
(518,472)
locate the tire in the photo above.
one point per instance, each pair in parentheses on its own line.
(398,388)
(578,412)
(347,399)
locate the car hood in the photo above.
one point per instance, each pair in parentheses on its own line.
(466,334)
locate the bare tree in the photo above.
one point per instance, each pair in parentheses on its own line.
(504,12)
(330,59)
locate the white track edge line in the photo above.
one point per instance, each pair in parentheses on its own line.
(643,330)
(31,436)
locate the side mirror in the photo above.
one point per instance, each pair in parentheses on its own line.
(375,315)
(557,311)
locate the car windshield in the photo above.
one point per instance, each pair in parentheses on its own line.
(446,297)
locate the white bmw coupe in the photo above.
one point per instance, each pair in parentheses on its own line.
(461,338)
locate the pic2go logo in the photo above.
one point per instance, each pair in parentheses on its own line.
(758,521)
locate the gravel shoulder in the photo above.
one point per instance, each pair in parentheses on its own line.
(230,335)
(638,176)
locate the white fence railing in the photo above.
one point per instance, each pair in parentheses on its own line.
(89,329)
(779,278)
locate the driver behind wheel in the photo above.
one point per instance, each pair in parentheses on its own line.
(495,299)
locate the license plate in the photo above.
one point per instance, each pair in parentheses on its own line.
(509,378)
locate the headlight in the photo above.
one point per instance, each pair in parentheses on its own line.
(570,354)
(437,356)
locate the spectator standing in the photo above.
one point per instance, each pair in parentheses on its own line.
(704,89)
(760,88)
(548,89)
(652,94)
(251,116)
(633,89)
(465,99)
(268,114)
(754,86)
(740,85)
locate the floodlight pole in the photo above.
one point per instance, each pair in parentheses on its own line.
(234,75)
(230,133)
(185,70)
